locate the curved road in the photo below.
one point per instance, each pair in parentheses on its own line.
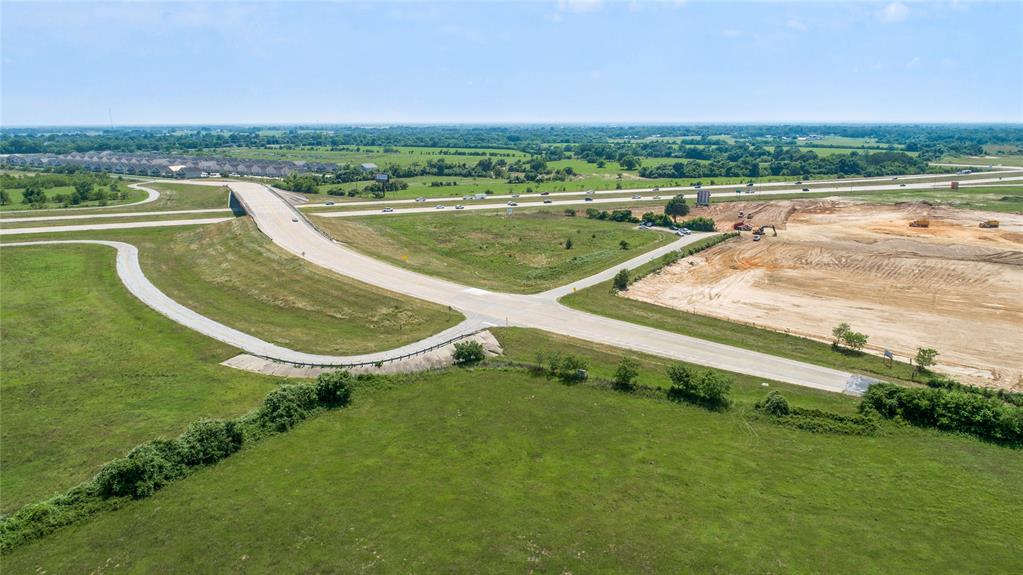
(283,224)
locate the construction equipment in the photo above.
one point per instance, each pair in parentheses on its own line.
(989,224)
(920,224)
(742,227)
(760,231)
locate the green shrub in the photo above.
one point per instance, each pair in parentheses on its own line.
(209,440)
(621,280)
(468,352)
(286,406)
(775,404)
(143,471)
(626,374)
(706,388)
(334,389)
(948,409)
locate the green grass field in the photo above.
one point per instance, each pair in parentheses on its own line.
(996,160)
(175,196)
(496,471)
(17,206)
(600,300)
(993,199)
(401,155)
(232,273)
(89,371)
(524,252)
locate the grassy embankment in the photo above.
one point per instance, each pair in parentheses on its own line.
(493,470)
(17,206)
(522,253)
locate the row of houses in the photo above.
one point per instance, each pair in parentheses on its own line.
(164,165)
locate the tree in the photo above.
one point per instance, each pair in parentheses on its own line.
(33,195)
(775,404)
(854,340)
(838,333)
(676,207)
(468,352)
(568,244)
(625,376)
(623,245)
(5,198)
(925,358)
(621,280)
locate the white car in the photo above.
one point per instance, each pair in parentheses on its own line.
(515,195)
(388,210)
(439,207)
(294,219)
(420,199)
(637,197)
(459,207)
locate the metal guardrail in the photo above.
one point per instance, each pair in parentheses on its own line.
(376,363)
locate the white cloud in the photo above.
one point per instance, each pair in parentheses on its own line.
(894,12)
(914,62)
(796,24)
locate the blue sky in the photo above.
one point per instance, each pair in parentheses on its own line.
(588,61)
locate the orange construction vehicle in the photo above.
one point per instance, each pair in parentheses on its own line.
(742,227)
(920,224)
(989,224)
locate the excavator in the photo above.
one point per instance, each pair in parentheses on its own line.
(760,231)
(920,224)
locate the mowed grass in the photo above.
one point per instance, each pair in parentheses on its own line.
(175,196)
(497,471)
(986,198)
(600,300)
(524,252)
(234,274)
(88,371)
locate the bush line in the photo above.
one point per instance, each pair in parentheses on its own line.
(152,465)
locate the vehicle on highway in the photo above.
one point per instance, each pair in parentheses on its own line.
(895,178)
(656,190)
(329,204)
(512,204)
(751,191)
(515,195)
(548,201)
(294,219)
(589,192)
(697,186)
(420,199)
(799,182)
(806,189)
(459,207)
(749,185)
(657,197)
(589,199)
(388,210)
(637,197)
(439,207)
(902,185)
(545,193)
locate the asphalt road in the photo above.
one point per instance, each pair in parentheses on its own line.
(110,226)
(289,229)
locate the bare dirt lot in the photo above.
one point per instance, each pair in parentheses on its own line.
(952,286)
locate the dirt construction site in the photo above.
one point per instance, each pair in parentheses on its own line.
(953,285)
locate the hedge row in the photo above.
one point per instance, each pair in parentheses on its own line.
(1010,397)
(814,420)
(948,409)
(154,464)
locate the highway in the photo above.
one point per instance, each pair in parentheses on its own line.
(283,224)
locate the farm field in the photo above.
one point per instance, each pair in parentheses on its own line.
(520,473)
(952,286)
(523,253)
(996,160)
(981,198)
(400,155)
(89,371)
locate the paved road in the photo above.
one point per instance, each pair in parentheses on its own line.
(112,226)
(287,228)
(119,215)
(649,196)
